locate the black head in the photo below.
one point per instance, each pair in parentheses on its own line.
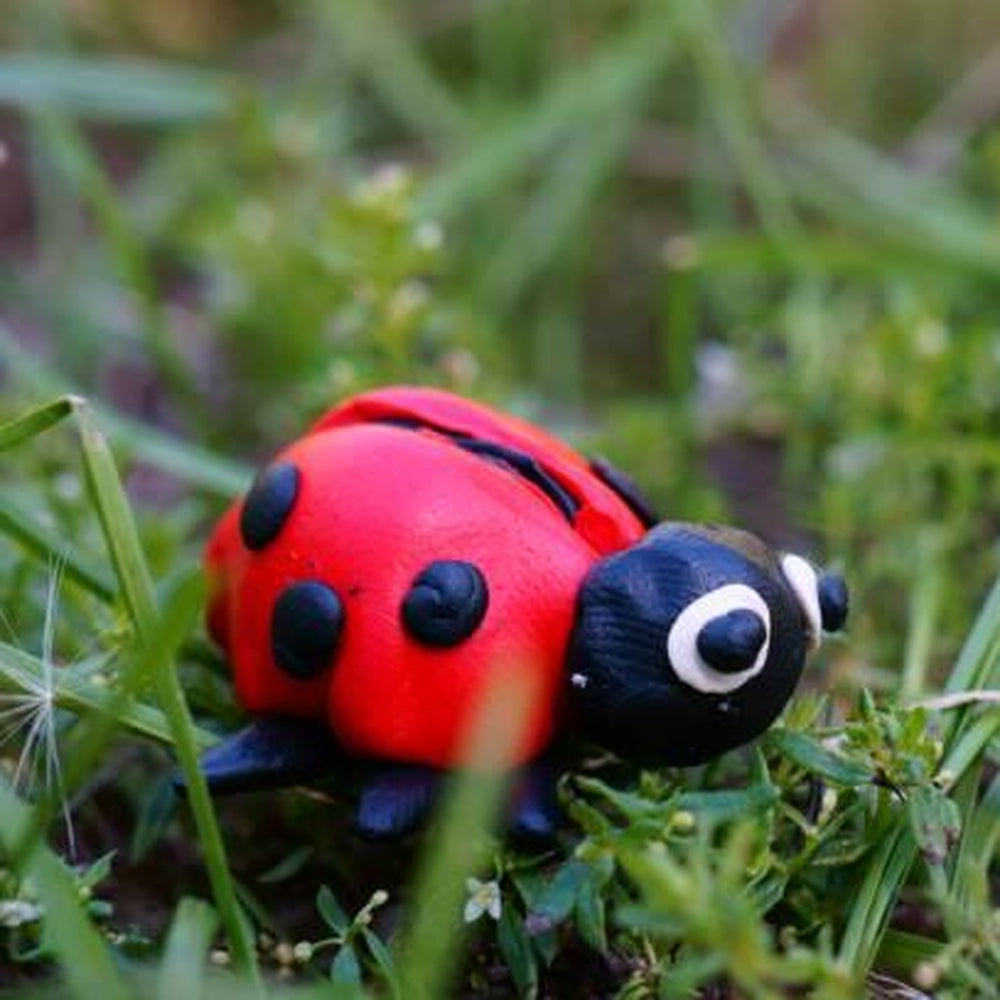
(691,642)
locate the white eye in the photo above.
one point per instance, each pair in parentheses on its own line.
(803,581)
(683,642)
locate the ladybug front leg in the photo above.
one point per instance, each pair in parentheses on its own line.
(270,752)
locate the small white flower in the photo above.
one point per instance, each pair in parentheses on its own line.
(484,897)
(256,221)
(428,235)
(407,300)
(384,186)
(14,912)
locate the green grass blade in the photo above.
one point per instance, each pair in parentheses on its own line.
(546,226)
(83,955)
(117,522)
(705,32)
(981,651)
(120,90)
(79,166)
(980,842)
(21,673)
(122,540)
(459,845)
(190,937)
(977,668)
(575,100)
(34,422)
(852,183)
(369,35)
(46,544)
(901,951)
(970,743)
(924,612)
(194,465)
(179,620)
(873,902)
(837,253)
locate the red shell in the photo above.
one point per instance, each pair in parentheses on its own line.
(376,504)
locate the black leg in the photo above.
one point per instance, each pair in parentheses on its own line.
(395,800)
(271,752)
(535,815)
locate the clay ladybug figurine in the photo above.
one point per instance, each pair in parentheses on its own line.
(386,566)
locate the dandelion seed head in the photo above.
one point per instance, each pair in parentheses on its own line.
(31,714)
(15,912)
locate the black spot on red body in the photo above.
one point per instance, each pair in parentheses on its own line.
(306,624)
(446,603)
(268,504)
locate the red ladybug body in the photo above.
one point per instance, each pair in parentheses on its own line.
(377,501)
(413,550)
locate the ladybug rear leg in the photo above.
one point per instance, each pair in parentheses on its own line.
(395,800)
(535,815)
(398,799)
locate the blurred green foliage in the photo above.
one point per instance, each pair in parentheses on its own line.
(746,249)
(660,246)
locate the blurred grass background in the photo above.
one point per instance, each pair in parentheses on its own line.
(747,249)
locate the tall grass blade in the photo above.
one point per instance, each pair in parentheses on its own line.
(875,897)
(119,90)
(980,654)
(122,539)
(45,544)
(369,35)
(78,165)
(190,937)
(117,521)
(34,422)
(575,101)
(21,673)
(705,33)
(179,618)
(458,845)
(189,462)
(980,842)
(852,183)
(560,206)
(83,956)
(970,742)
